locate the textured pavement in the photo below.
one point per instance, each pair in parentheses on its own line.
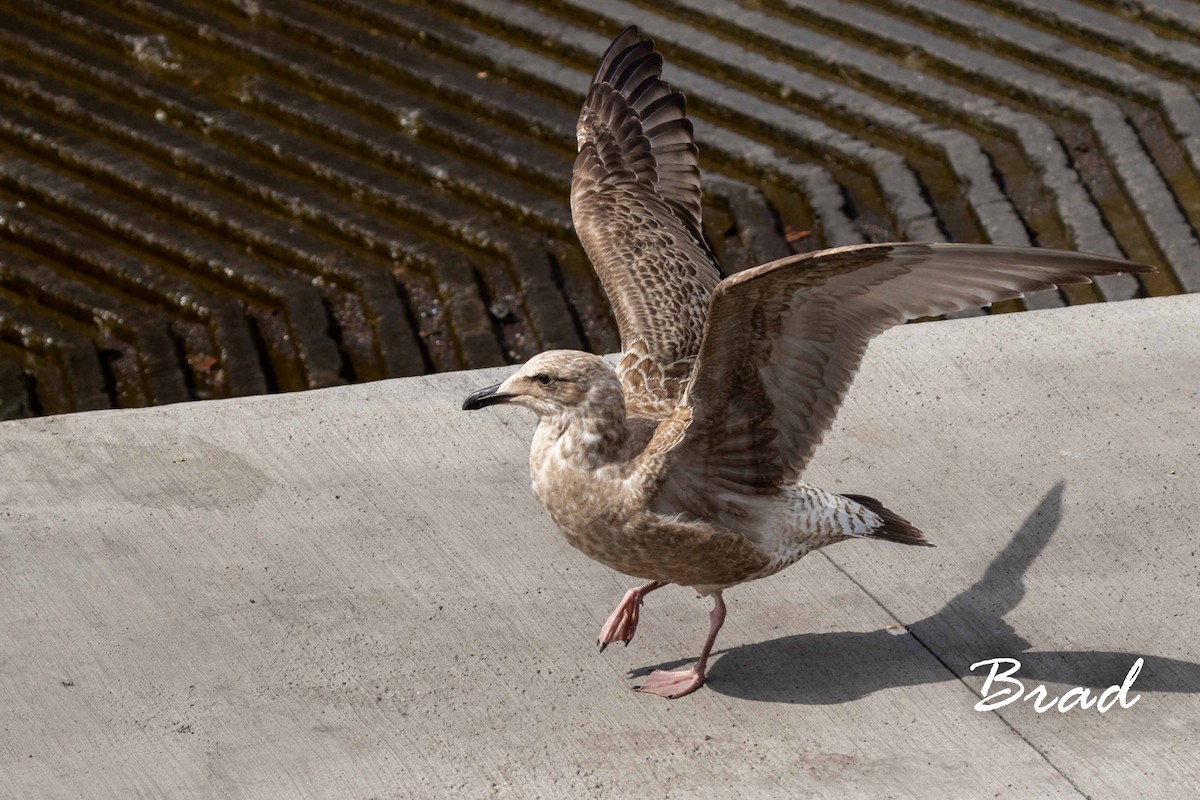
(352,593)
(215,198)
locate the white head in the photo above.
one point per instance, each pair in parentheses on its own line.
(558,383)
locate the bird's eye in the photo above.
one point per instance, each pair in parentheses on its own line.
(543,379)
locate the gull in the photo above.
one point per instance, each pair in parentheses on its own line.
(682,465)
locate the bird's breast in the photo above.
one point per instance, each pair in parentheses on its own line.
(576,498)
(601,517)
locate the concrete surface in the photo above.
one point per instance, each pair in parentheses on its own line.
(351,593)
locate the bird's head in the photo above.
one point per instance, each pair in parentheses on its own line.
(557,383)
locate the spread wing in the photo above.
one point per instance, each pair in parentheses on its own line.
(635,201)
(785,339)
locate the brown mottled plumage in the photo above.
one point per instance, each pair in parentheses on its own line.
(635,199)
(683,465)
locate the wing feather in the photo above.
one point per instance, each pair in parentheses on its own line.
(635,200)
(785,340)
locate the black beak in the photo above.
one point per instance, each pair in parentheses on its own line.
(485,397)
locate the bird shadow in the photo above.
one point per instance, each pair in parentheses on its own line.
(838,667)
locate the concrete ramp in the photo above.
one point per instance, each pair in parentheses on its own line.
(351,593)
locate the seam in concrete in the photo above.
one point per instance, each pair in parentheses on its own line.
(950,669)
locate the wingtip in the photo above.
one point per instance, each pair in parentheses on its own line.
(623,41)
(628,38)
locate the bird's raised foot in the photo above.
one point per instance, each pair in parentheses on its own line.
(622,622)
(672,684)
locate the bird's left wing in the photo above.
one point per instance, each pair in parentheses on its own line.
(635,201)
(784,341)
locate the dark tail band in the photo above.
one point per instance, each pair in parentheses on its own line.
(895,528)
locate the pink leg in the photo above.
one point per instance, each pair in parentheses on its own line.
(685,681)
(622,623)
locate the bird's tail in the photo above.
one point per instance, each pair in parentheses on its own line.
(895,528)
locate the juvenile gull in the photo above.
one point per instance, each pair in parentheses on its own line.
(683,464)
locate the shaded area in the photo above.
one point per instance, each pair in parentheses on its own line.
(819,669)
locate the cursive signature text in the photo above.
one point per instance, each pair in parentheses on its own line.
(1000,688)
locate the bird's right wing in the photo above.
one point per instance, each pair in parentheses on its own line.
(635,201)
(784,341)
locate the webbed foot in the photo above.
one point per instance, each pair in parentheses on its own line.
(622,623)
(672,684)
